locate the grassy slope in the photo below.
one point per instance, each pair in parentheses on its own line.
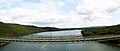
(14,30)
(102,30)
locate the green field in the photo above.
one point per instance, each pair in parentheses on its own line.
(15,30)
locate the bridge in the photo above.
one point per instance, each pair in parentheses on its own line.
(61,40)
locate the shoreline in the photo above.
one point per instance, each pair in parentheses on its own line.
(112,42)
(3,43)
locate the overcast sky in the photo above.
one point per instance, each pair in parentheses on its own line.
(61,13)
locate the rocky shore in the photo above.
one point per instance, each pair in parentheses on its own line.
(3,43)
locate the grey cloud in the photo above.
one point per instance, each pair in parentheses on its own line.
(45,22)
(88,19)
(114,9)
(84,12)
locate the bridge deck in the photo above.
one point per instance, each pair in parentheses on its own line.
(62,40)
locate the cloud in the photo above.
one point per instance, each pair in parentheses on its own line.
(10,1)
(97,9)
(48,13)
(44,13)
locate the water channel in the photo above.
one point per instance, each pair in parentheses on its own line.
(82,46)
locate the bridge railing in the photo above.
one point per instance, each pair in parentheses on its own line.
(61,39)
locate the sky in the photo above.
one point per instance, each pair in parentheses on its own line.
(61,13)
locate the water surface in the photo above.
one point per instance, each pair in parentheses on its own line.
(68,33)
(59,47)
(82,46)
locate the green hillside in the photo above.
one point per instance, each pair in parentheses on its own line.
(15,30)
(102,31)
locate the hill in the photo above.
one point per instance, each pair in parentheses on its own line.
(15,30)
(106,30)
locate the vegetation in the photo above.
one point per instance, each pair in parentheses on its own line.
(102,30)
(15,30)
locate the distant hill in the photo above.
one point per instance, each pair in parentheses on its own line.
(14,30)
(115,29)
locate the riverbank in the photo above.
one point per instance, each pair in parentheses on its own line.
(104,31)
(3,43)
(112,42)
(17,30)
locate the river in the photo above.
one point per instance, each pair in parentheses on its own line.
(82,46)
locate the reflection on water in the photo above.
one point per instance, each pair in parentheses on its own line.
(56,34)
(82,46)
(58,47)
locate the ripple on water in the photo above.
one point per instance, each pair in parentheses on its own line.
(92,46)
